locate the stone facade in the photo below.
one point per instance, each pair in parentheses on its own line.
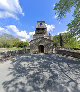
(41,42)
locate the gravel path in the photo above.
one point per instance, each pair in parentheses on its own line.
(4,71)
(40,73)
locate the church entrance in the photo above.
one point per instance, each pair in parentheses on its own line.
(41,49)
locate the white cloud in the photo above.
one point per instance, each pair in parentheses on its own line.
(32,33)
(13,30)
(62,32)
(4,14)
(10,8)
(50,27)
(23,35)
(3,30)
(23,39)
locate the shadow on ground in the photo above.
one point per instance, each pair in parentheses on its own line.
(43,73)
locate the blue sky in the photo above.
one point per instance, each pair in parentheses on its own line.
(19,17)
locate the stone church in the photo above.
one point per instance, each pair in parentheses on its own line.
(41,42)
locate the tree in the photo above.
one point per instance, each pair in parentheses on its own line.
(64,6)
(61,40)
(67,41)
(15,42)
(8,41)
(25,44)
(70,41)
(56,40)
(22,44)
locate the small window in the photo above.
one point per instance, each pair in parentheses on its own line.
(43,29)
(40,24)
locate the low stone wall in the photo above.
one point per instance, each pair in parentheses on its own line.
(13,53)
(68,53)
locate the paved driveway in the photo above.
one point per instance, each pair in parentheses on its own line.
(40,73)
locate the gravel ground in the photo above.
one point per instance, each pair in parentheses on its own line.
(40,73)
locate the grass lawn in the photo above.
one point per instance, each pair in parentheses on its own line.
(9,49)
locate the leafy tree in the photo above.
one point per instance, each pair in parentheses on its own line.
(61,40)
(70,41)
(26,44)
(66,40)
(8,41)
(64,6)
(15,42)
(56,40)
(1,45)
(22,44)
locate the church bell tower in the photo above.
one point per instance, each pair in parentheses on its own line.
(41,30)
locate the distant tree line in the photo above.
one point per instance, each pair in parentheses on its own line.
(66,40)
(8,41)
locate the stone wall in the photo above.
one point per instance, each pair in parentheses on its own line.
(13,53)
(68,53)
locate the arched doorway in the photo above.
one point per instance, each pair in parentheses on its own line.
(41,49)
